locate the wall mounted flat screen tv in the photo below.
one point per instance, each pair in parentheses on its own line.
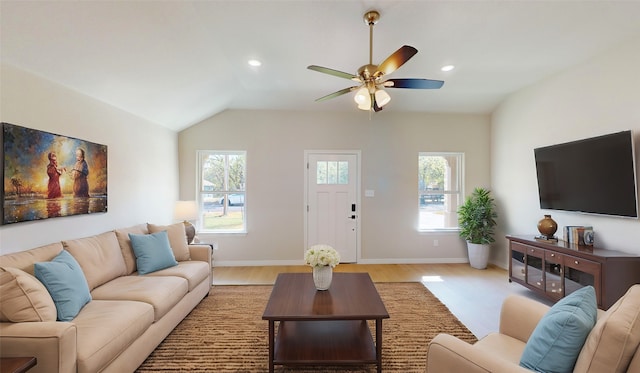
(595,175)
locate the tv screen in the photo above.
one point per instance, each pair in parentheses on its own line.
(595,175)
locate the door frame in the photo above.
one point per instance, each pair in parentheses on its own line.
(305,205)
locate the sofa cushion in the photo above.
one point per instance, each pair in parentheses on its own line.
(614,340)
(125,245)
(558,338)
(23,298)
(152,251)
(24,259)
(177,239)
(106,328)
(193,271)
(99,257)
(510,348)
(162,292)
(66,283)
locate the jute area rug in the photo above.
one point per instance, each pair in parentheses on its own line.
(226,333)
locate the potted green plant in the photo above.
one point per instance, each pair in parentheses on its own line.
(476,220)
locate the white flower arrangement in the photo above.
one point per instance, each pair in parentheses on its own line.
(321,255)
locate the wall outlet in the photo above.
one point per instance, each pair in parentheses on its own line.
(436,243)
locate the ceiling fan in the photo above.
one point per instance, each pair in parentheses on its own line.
(370,94)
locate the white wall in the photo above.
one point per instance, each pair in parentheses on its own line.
(142,158)
(275,142)
(596,98)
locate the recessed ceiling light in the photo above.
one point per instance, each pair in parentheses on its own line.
(447,68)
(254,63)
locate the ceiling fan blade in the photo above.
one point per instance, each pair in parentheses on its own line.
(339,74)
(337,93)
(374,104)
(395,60)
(413,83)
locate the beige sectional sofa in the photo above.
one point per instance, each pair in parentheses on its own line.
(128,315)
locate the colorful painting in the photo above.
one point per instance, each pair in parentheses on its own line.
(47,175)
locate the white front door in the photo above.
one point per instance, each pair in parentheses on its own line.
(333,203)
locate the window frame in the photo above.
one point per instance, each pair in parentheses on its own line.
(200,190)
(460,159)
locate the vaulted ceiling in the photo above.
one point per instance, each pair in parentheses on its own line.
(176,63)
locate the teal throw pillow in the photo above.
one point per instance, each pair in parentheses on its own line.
(153,252)
(556,341)
(66,284)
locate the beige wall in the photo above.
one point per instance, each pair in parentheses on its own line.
(142,158)
(596,98)
(275,142)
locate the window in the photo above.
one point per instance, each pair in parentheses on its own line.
(222,191)
(439,190)
(332,172)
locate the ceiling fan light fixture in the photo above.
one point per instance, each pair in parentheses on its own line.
(370,94)
(382,97)
(362,96)
(363,99)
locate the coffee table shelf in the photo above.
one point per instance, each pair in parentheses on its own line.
(335,342)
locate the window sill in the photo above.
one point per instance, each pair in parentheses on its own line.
(451,231)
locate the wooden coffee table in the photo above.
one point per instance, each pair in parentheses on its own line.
(17,364)
(324,327)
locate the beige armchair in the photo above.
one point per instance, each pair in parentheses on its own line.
(612,345)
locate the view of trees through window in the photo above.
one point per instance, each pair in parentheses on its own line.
(222,191)
(332,172)
(439,190)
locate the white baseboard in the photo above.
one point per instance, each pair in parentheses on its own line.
(252,263)
(414,261)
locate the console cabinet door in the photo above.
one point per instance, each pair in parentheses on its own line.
(579,273)
(554,275)
(517,266)
(534,257)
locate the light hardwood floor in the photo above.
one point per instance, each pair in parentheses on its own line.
(474,296)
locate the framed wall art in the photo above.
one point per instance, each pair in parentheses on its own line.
(46,175)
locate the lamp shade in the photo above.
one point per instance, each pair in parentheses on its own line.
(382,97)
(363,99)
(185,210)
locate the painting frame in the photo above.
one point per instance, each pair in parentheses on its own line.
(47,175)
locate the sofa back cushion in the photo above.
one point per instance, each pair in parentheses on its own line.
(177,239)
(23,298)
(615,338)
(125,244)
(99,257)
(24,260)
